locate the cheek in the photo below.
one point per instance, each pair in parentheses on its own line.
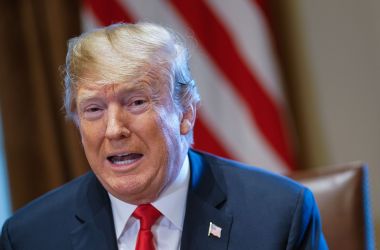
(91,134)
(168,125)
(159,131)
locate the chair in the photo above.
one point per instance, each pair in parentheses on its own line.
(343,199)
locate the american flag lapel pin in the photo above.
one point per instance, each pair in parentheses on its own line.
(214,230)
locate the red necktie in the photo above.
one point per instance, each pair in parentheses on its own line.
(147,215)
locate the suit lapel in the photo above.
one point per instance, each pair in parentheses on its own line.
(204,205)
(96,228)
(205,200)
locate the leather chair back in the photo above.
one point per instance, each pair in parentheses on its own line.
(342,194)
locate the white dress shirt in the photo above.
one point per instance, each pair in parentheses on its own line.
(167,230)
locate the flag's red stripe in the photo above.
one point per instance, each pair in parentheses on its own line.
(214,38)
(108,11)
(205,140)
(265,10)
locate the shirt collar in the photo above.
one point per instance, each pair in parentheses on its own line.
(175,193)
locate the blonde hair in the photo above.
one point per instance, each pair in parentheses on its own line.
(121,53)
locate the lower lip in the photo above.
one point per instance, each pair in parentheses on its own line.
(126,166)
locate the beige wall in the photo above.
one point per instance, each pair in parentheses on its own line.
(335,47)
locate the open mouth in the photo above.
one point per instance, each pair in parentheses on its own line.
(124,159)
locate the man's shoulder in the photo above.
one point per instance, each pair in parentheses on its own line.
(239,176)
(260,202)
(53,203)
(48,220)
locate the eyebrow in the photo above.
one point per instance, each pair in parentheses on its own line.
(93,93)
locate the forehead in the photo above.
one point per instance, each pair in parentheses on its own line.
(150,82)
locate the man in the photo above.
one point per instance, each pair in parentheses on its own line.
(130,92)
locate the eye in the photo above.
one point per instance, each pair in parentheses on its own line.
(138,102)
(138,105)
(92,112)
(92,109)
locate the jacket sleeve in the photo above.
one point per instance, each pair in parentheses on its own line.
(5,243)
(306,229)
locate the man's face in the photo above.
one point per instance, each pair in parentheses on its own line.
(131,136)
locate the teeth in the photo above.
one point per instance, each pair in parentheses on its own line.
(124,159)
(125,162)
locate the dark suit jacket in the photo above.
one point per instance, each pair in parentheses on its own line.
(255,209)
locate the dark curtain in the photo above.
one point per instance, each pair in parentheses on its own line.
(43,149)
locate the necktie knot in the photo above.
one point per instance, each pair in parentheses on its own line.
(147,214)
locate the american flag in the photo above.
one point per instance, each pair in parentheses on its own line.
(214,230)
(243,112)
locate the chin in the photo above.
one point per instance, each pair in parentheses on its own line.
(132,192)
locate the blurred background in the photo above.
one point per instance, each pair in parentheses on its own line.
(285,85)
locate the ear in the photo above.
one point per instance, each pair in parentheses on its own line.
(188,120)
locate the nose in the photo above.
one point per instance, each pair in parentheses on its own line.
(116,123)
